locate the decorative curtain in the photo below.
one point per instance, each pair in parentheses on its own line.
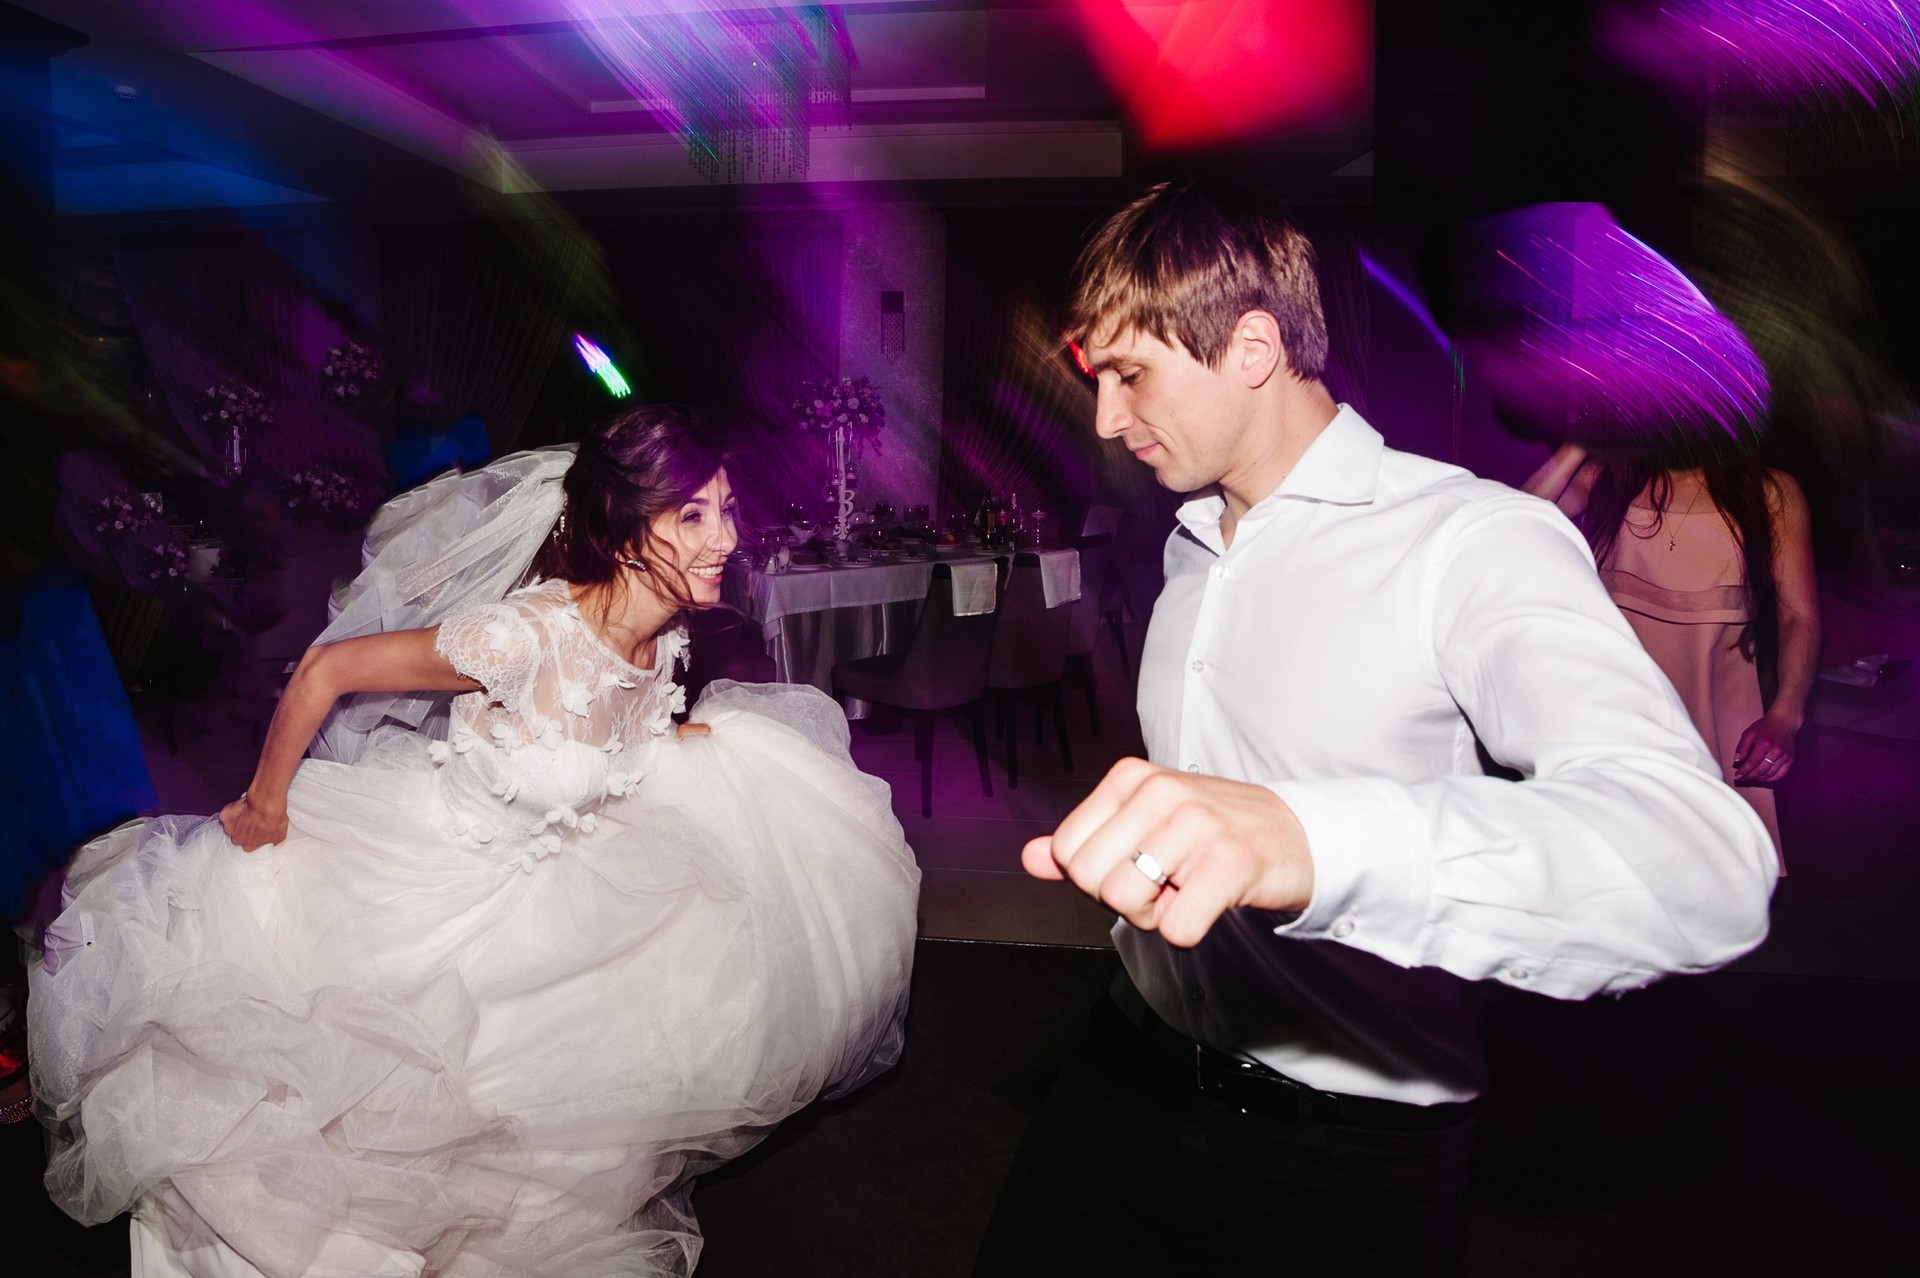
(731,312)
(1344,298)
(1016,415)
(473,316)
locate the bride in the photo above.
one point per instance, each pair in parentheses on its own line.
(479,987)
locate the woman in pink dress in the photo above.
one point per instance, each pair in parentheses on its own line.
(1706,563)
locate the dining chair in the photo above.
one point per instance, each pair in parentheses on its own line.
(1101,519)
(942,669)
(1029,659)
(1089,610)
(1111,598)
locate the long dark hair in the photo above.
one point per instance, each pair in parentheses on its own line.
(631,471)
(1738,484)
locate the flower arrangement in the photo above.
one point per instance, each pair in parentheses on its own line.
(166,563)
(115,516)
(850,404)
(349,367)
(848,412)
(235,408)
(323,491)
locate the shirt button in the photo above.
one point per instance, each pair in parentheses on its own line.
(1193,767)
(1198,665)
(1518,973)
(1343,927)
(1196,995)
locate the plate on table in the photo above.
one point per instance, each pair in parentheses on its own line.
(955,550)
(796,567)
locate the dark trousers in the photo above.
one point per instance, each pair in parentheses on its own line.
(1128,1170)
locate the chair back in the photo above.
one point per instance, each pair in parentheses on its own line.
(945,663)
(1099,520)
(1029,639)
(1084,624)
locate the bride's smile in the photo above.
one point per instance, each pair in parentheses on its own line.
(699,537)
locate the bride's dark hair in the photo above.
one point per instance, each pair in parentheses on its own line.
(631,471)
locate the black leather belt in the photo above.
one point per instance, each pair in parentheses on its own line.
(1253,1088)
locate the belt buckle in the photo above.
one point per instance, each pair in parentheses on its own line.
(1302,1096)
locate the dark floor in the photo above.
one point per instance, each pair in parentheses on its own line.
(1734,1124)
(1727,1125)
(1758,1121)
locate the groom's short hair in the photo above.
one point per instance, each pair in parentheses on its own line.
(1183,265)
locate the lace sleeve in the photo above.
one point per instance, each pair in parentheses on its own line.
(495,645)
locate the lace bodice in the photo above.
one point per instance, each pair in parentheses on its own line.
(563,722)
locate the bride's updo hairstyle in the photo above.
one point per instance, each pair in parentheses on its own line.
(639,466)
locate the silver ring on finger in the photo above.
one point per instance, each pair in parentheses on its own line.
(1147,865)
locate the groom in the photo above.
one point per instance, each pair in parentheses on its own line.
(1311,870)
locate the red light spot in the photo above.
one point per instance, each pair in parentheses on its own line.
(1212,70)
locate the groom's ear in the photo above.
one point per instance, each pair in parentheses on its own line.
(1255,352)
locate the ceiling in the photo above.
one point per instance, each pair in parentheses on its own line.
(273,98)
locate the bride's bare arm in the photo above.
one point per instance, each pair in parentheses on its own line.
(404,661)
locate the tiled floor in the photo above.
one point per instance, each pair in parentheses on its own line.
(972,886)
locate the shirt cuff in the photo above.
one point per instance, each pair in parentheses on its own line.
(1372,865)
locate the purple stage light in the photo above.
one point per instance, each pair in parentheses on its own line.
(1587,333)
(1797,49)
(1406,297)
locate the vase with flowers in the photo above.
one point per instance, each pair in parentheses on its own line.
(234,410)
(849,413)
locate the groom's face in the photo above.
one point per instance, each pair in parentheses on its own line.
(1171,411)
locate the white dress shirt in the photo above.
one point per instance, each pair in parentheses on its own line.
(1371,617)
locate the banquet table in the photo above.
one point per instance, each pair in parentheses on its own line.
(813,618)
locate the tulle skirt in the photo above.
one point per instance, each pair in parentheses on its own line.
(370,1049)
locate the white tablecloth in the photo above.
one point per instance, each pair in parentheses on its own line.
(814,619)
(773,596)
(1059,576)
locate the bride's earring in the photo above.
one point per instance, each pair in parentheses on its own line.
(634,564)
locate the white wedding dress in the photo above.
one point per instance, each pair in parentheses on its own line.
(495,999)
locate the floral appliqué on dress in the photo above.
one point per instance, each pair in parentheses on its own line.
(563,722)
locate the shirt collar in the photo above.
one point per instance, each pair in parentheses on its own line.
(1340,467)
